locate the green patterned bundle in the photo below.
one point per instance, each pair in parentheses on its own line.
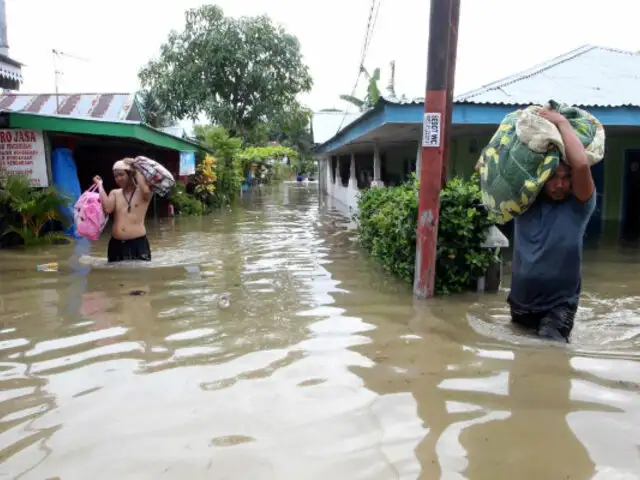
(524,153)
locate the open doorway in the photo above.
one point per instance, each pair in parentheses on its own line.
(631,196)
(95,155)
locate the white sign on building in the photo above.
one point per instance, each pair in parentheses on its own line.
(22,153)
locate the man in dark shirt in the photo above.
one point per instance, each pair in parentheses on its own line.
(547,258)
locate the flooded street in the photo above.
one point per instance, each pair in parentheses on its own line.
(322,367)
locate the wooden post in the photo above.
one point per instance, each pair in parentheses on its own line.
(451,77)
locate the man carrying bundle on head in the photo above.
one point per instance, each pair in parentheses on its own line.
(547,256)
(128,203)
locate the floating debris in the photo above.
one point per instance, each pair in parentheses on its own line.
(224,302)
(47,267)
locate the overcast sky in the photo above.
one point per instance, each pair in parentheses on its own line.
(497,38)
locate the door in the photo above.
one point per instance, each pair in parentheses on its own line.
(631,196)
(594,228)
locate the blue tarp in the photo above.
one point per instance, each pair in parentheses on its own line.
(65,179)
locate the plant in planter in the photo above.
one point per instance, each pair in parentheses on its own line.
(28,210)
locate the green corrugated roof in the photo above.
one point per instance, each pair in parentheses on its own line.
(122,129)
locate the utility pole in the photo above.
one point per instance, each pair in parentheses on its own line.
(451,77)
(436,133)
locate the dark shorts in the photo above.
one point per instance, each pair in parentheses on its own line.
(134,249)
(554,324)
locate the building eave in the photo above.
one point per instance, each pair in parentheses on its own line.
(387,114)
(122,129)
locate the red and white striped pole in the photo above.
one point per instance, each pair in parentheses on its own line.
(436,134)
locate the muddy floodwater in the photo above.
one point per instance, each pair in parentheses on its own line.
(321,367)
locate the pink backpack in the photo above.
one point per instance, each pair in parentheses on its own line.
(89,215)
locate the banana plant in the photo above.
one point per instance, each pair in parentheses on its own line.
(373,92)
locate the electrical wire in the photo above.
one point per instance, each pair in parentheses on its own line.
(373,16)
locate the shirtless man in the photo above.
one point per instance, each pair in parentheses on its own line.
(129,204)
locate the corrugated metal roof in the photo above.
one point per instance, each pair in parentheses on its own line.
(403,101)
(80,127)
(589,76)
(326,125)
(107,106)
(175,130)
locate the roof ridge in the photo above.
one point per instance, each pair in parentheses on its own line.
(618,50)
(530,72)
(341,112)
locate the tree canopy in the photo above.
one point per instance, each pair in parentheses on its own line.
(239,72)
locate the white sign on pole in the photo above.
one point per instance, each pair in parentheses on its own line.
(431,130)
(22,153)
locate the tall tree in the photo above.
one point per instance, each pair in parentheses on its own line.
(238,71)
(291,127)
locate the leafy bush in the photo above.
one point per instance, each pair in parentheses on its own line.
(205,179)
(185,204)
(28,210)
(387,224)
(228,165)
(270,157)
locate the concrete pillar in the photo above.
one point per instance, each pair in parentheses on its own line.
(377,180)
(325,178)
(418,161)
(353,180)
(320,174)
(326,171)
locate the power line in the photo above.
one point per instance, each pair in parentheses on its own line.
(57,70)
(373,26)
(373,15)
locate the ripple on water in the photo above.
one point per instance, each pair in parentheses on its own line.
(323,367)
(602,325)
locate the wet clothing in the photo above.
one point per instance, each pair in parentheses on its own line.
(554,324)
(547,260)
(133,249)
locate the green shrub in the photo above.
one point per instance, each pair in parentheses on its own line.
(228,165)
(271,158)
(387,224)
(185,204)
(387,227)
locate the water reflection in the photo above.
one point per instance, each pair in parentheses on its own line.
(322,366)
